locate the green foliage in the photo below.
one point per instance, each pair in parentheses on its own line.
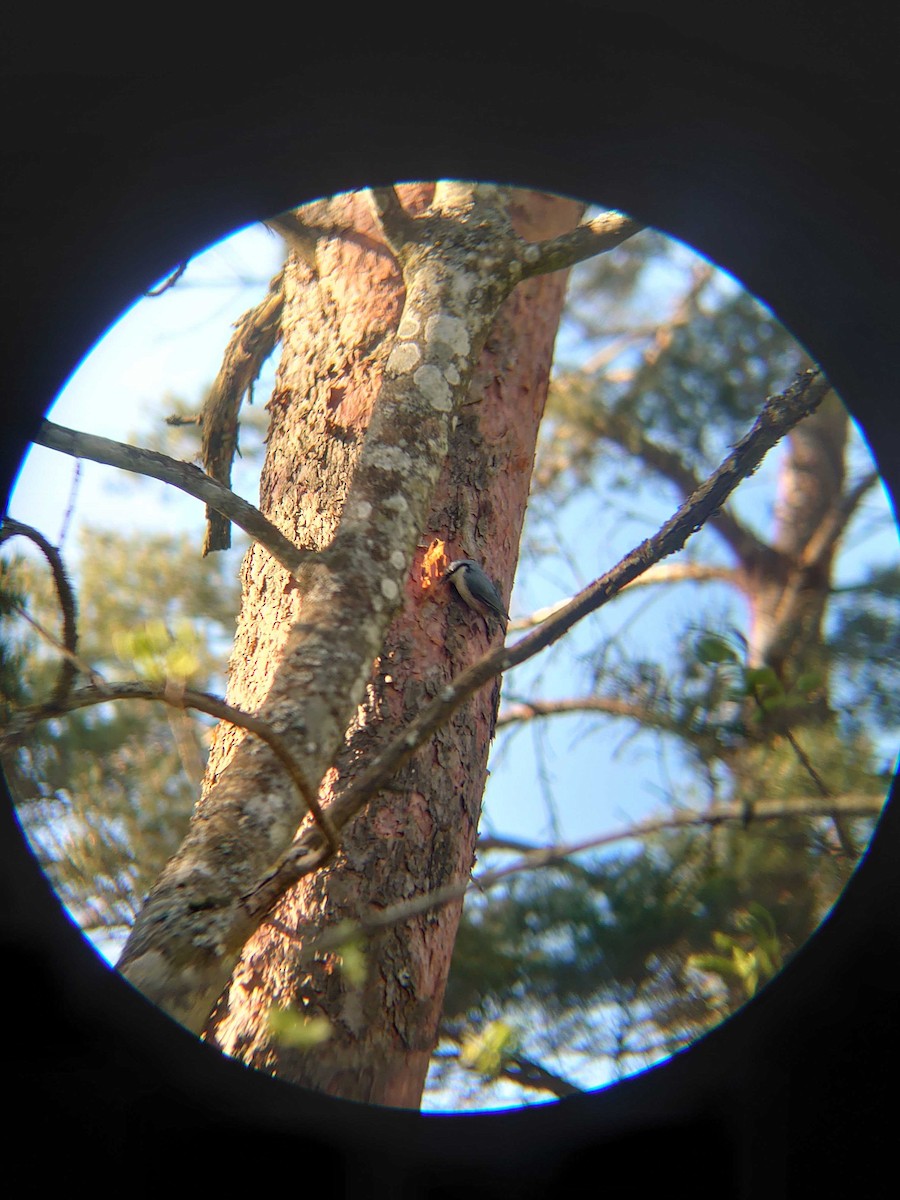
(157,653)
(105,793)
(745,959)
(487,1050)
(291,1028)
(864,646)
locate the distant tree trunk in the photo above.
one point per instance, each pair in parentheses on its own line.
(789,585)
(339,309)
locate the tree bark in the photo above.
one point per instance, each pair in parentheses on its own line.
(420,834)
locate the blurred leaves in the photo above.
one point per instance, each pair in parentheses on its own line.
(746,959)
(105,793)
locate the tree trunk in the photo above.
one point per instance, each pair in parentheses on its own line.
(788,586)
(421,833)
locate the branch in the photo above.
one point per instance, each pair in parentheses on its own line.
(662,722)
(631,437)
(101,691)
(685,573)
(589,239)
(169,282)
(660,573)
(528,1073)
(300,237)
(533,858)
(397,226)
(779,415)
(835,522)
(254,339)
(184,476)
(524,1071)
(844,836)
(67,669)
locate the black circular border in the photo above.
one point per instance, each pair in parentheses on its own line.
(768,149)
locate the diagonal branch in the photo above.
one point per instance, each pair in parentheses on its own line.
(779,415)
(649,716)
(631,437)
(525,1072)
(589,239)
(823,541)
(689,572)
(184,476)
(169,281)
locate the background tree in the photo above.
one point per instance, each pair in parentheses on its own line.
(618,951)
(755,702)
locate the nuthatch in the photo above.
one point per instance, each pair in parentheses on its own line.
(476,590)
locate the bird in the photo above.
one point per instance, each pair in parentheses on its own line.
(476,590)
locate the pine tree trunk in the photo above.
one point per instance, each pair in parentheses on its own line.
(421,833)
(788,587)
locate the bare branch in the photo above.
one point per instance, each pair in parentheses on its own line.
(844,836)
(68,669)
(685,573)
(184,476)
(529,710)
(631,437)
(593,237)
(168,282)
(176,694)
(254,339)
(77,664)
(533,858)
(660,573)
(300,237)
(525,1071)
(779,415)
(396,224)
(528,1073)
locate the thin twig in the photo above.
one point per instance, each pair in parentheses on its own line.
(533,858)
(844,836)
(70,504)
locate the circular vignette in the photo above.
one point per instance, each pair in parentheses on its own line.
(810,240)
